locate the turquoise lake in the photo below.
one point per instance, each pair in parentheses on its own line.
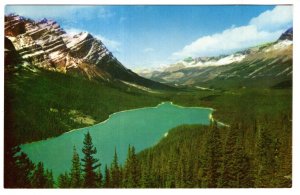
(141,128)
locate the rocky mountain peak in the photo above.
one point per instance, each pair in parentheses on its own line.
(287,35)
(45,44)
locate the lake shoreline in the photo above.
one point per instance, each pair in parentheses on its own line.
(134,109)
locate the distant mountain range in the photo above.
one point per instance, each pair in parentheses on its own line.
(46,45)
(263,65)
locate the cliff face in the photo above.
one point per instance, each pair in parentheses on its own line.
(45,44)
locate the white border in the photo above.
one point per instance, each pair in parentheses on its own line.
(296,116)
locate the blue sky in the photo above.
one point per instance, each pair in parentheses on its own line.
(151,36)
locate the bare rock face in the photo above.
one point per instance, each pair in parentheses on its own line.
(45,44)
(11,56)
(287,35)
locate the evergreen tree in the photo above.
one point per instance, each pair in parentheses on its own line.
(236,164)
(90,164)
(148,177)
(126,174)
(180,174)
(49,179)
(24,168)
(131,170)
(39,179)
(115,172)
(107,183)
(18,169)
(229,174)
(99,178)
(264,160)
(64,180)
(213,158)
(244,168)
(75,170)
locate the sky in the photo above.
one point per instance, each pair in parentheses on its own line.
(153,36)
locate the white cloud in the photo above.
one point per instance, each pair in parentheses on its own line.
(235,38)
(148,50)
(278,17)
(112,45)
(227,41)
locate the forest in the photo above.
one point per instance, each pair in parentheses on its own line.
(191,156)
(255,150)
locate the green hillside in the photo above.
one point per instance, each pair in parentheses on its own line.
(44,104)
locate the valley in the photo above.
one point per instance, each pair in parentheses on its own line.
(76,117)
(266,64)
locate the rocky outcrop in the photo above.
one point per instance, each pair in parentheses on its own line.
(45,44)
(287,35)
(11,56)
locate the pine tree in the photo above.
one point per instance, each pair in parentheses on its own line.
(90,164)
(49,178)
(126,174)
(131,170)
(99,178)
(107,183)
(179,181)
(147,175)
(213,158)
(244,169)
(18,169)
(264,160)
(75,170)
(229,174)
(236,165)
(39,179)
(24,168)
(115,172)
(64,180)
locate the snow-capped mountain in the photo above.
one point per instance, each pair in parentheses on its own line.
(270,60)
(46,45)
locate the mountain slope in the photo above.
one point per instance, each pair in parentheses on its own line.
(264,65)
(55,82)
(45,44)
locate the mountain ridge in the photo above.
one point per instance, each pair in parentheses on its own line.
(250,64)
(46,45)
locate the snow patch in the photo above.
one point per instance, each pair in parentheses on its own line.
(204,88)
(139,87)
(33,54)
(220,62)
(77,39)
(279,45)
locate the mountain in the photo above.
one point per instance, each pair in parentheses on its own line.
(46,45)
(263,65)
(55,82)
(287,35)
